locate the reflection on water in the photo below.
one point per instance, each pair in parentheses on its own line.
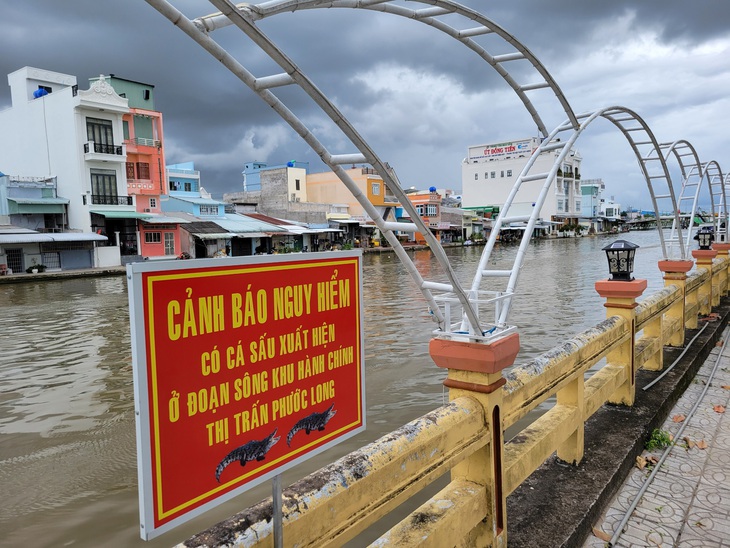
(67,439)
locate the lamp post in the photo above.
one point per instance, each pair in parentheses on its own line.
(620,256)
(621,292)
(705,237)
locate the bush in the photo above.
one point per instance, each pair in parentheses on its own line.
(659,440)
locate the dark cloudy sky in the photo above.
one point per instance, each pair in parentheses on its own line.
(418,97)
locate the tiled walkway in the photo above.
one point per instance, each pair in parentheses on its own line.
(687,504)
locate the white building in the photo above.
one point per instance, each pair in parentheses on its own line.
(55,130)
(489,172)
(600,213)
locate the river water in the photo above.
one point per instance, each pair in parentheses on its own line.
(67,435)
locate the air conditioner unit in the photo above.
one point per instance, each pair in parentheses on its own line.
(147,210)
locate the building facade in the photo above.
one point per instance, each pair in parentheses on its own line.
(489,173)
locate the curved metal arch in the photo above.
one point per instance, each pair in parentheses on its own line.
(244,19)
(293,75)
(718,203)
(682,150)
(429,17)
(620,117)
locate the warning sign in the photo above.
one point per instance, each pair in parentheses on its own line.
(243,367)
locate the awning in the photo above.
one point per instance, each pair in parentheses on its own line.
(162,219)
(51,237)
(214,235)
(229,235)
(37,205)
(123,214)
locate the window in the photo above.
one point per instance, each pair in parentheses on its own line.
(419,210)
(509,173)
(432,210)
(296,184)
(476,176)
(130,170)
(486,175)
(153,203)
(143,170)
(99,131)
(376,189)
(188,187)
(208,210)
(152,237)
(104,186)
(560,205)
(577,205)
(169,243)
(494,174)
(501,173)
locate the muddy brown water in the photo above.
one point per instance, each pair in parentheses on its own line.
(68,472)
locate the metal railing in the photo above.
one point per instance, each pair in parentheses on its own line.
(336,503)
(102,199)
(103,149)
(143,141)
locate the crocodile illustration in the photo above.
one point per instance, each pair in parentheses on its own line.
(315,421)
(253,450)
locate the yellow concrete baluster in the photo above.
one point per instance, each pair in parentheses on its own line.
(621,301)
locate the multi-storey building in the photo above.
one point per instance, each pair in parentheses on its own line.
(53,129)
(601,214)
(103,146)
(156,235)
(286,192)
(490,171)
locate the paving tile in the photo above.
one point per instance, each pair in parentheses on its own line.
(688,502)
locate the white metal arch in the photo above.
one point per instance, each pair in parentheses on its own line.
(693,173)
(718,201)
(690,169)
(642,141)
(637,133)
(432,16)
(245,16)
(724,216)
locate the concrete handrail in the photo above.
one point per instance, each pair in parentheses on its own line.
(334,504)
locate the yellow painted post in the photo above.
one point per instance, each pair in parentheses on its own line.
(675,273)
(704,258)
(723,250)
(571,451)
(475,370)
(621,301)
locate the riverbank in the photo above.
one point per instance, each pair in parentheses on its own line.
(121,270)
(564,513)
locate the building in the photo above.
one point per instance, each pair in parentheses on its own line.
(54,131)
(489,172)
(103,147)
(446,222)
(34,228)
(600,214)
(153,235)
(284,192)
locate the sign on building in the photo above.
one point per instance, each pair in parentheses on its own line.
(482,153)
(243,367)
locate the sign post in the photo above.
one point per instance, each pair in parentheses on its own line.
(243,367)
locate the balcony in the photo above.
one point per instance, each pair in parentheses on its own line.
(105,153)
(100,199)
(144,142)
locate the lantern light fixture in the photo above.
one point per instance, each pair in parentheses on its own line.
(705,237)
(620,256)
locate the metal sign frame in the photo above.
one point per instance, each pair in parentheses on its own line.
(181,312)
